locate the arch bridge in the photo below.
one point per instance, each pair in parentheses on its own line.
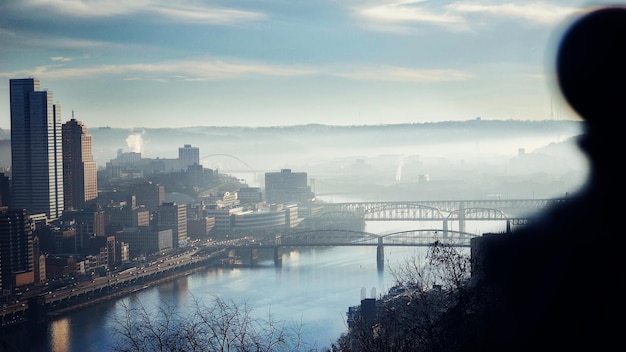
(343,238)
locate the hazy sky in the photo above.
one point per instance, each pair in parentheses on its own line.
(163,63)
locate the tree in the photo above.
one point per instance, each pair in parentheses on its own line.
(431,301)
(222,325)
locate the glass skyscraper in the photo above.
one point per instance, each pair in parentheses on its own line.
(36,151)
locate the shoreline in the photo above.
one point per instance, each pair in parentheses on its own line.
(59,312)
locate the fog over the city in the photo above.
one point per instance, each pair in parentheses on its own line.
(450,160)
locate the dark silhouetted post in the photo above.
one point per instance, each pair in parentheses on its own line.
(555,285)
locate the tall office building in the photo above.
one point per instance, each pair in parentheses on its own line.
(80,177)
(148,194)
(174,216)
(36,152)
(188,156)
(88,223)
(16,249)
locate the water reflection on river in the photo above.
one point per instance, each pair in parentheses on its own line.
(314,287)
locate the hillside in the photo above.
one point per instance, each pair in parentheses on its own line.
(251,144)
(386,159)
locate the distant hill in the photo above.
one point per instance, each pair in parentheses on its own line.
(277,147)
(460,160)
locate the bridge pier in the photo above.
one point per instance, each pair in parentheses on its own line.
(380,255)
(247,256)
(461,217)
(254,256)
(278,257)
(37,312)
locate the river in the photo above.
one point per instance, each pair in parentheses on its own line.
(313,288)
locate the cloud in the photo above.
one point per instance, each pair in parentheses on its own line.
(5,33)
(411,12)
(61,58)
(206,15)
(213,70)
(184,70)
(88,8)
(537,12)
(401,74)
(173,10)
(22,40)
(404,16)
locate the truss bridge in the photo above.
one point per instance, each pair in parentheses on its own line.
(513,211)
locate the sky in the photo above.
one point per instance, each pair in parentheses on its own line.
(256,63)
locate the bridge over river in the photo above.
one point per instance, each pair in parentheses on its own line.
(511,211)
(248,252)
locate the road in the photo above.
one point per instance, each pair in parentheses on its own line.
(114,285)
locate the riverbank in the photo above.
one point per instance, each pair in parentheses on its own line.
(131,289)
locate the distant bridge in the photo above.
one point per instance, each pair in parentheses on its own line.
(512,211)
(439,209)
(342,237)
(349,238)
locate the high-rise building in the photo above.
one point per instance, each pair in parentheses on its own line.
(118,217)
(173,215)
(16,249)
(36,152)
(80,178)
(287,187)
(188,156)
(88,223)
(148,194)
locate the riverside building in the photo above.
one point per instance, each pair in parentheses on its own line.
(174,216)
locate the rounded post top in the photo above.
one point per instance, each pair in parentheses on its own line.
(591,67)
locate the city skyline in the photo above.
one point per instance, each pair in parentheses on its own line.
(266,63)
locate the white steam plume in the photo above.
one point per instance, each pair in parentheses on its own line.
(135,142)
(399,169)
